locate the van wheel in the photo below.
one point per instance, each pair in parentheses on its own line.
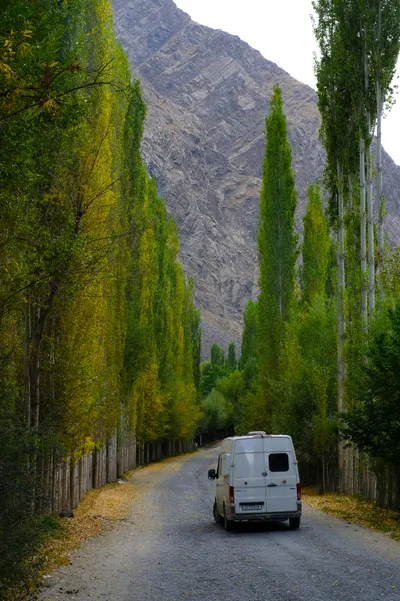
(228,524)
(217,517)
(294,523)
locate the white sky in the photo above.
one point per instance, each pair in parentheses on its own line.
(282,31)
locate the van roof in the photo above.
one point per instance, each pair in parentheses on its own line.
(258,436)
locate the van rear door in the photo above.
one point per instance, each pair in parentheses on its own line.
(249,479)
(281,478)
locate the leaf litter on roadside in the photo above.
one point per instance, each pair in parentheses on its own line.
(356,511)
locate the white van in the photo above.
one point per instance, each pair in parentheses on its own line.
(257,479)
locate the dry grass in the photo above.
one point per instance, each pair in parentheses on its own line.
(98,510)
(356,510)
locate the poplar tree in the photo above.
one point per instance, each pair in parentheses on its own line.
(386,47)
(196,341)
(315,247)
(248,347)
(277,241)
(96,316)
(232,362)
(334,103)
(217,355)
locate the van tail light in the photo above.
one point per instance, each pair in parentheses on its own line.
(231,494)
(298,492)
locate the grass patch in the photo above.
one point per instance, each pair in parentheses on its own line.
(356,510)
(23,579)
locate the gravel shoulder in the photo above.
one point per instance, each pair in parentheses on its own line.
(170,548)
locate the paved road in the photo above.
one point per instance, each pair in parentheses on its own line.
(172,549)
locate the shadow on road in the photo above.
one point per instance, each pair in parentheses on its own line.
(259,527)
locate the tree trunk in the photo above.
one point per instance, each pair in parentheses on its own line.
(350,187)
(363,243)
(341,290)
(379,185)
(64,487)
(27,344)
(95,469)
(340,309)
(72,483)
(371,236)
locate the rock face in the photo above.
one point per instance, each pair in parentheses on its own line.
(207,94)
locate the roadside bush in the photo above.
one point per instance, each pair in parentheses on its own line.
(218,414)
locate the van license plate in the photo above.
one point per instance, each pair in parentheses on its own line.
(252,507)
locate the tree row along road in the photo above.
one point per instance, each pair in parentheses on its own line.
(171,548)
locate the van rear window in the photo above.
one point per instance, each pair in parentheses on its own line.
(278,462)
(249,465)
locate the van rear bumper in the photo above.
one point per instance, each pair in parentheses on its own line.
(264,517)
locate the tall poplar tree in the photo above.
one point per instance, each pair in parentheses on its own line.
(277,241)
(232,361)
(338,136)
(386,47)
(315,247)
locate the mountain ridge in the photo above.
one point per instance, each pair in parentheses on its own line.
(207,94)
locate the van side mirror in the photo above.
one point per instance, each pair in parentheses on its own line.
(211,474)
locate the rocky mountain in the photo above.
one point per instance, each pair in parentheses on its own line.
(207,94)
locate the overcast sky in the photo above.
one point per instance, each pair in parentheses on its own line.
(282,31)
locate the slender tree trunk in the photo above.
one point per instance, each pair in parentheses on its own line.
(340,312)
(35,376)
(371,236)
(27,346)
(379,184)
(341,290)
(349,299)
(350,187)
(64,486)
(71,483)
(27,351)
(95,469)
(363,242)
(363,218)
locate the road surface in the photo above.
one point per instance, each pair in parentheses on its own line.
(171,549)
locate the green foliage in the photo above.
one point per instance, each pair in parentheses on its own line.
(305,354)
(277,240)
(218,414)
(217,355)
(232,361)
(231,387)
(20,533)
(97,325)
(251,412)
(315,248)
(277,249)
(163,337)
(359,43)
(302,389)
(248,356)
(210,374)
(307,386)
(374,423)
(196,342)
